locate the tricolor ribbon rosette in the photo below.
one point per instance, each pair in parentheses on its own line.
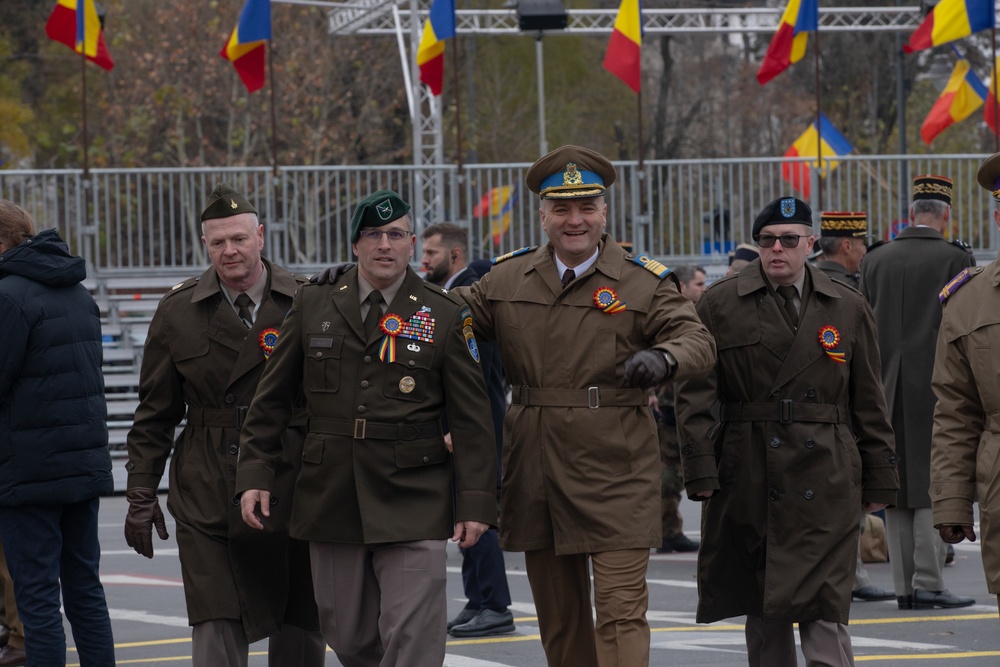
(606,299)
(268,339)
(829,338)
(391,325)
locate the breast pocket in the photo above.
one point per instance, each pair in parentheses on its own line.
(322,363)
(409,376)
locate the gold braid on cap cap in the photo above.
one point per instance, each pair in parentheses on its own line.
(996,195)
(932,189)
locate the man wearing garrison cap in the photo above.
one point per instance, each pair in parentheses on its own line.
(743,255)
(382,356)
(966,432)
(843,240)
(206,349)
(583,328)
(799,445)
(902,280)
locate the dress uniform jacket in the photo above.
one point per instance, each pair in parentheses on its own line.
(780,535)
(901,280)
(581,468)
(375,468)
(201,358)
(837,270)
(965,452)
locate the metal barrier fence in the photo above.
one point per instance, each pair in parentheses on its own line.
(146,220)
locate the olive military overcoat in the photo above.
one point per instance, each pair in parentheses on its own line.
(780,535)
(581,467)
(201,359)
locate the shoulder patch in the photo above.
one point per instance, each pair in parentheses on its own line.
(963,277)
(656,268)
(514,253)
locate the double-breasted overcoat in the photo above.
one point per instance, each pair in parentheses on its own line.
(780,534)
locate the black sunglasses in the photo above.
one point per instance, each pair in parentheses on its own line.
(787,240)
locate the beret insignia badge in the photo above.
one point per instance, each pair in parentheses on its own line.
(384,210)
(233,204)
(788,207)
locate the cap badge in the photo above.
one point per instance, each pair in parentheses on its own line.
(572,176)
(788,207)
(607,300)
(232,204)
(829,338)
(384,210)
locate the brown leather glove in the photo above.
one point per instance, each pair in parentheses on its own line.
(955,534)
(143,513)
(332,273)
(647,368)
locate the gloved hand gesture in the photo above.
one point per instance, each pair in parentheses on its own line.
(143,513)
(955,534)
(331,274)
(646,369)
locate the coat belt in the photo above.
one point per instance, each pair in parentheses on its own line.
(231,417)
(360,429)
(591,397)
(785,412)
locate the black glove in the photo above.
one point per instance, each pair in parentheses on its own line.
(647,368)
(143,513)
(331,274)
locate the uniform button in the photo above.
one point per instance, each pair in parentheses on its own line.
(688,450)
(274,501)
(773,495)
(234,449)
(365,384)
(235,501)
(775,441)
(425,459)
(368,358)
(892,458)
(809,495)
(810,443)
(811,392)
(361,409)
(775,393)
(230,399)
(129,466)
(319,354)
(412,362)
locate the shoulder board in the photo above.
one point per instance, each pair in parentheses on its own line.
(962,244)
(190,282)
(656,268)
(963,277)
(877,244)
(514,253)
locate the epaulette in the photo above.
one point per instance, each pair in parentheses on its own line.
(963,277)
(514,253)
(190,282)
(656,268)
(963,245)
(877,244)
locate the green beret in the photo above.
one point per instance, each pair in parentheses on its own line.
(570,172)
(225,202)
(377,209)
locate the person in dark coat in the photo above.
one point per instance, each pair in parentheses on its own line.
(54,459)
(207,346)
(902,279)
(445,263)
(785,443)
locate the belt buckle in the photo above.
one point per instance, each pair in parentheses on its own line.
(359,428)
(593,397)
(785,414)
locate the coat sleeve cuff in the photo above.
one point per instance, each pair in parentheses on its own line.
(883,496)
(951,512)
(476,506)
(703,484)
(254,476)
(142,481)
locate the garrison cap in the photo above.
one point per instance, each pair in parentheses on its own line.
(225,202)
(377,209)
(933,187)
(844,223)
(783,211)
(989,175)
(570,172)
(746,252)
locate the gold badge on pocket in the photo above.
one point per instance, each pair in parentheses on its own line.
(407,384)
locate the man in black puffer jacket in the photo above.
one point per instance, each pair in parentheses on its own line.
(54,460)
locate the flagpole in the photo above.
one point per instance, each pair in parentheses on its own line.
(274,112)
(83,105)
(458,104)
(819,124)
(642,199)
(996,105)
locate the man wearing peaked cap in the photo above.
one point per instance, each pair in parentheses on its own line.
(797,361)
(965,437)
(584,328)
(843,240)
(902,280)
(204,356)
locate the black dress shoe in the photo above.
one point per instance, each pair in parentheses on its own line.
(871,593)
(939,599)
(486,622)
(463,616)
(680,543)
(950,556)
(904,601)
(11,657)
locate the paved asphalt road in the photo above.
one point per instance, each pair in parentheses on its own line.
(150,625)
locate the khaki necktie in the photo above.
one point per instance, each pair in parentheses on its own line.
(374,312)
(244,304)
(788,293)
(567,277)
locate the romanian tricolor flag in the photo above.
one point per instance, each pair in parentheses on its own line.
(440,26)
(991,110)
(951,20)
(76,24)
(789,42)
(625,48)
(247,46)
(960,98)
(498,205)
(829,139)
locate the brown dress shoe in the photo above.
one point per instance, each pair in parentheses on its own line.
(11,657)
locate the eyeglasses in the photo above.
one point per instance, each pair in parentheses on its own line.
(787,240)
(375,235)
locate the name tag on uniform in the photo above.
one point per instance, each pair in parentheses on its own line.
(320,342)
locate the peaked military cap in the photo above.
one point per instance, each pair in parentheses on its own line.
(933,187)
(989,175)
(783,211)
(377,209)
(844,223)
(225,202)
(570,172)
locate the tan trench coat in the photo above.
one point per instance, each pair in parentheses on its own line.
(780,535)
(965,450)
(581,479)
(200,359)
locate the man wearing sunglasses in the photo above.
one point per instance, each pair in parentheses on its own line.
(800,443)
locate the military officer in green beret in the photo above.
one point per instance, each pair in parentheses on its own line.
(584,328)
(965,444)
(206,349)
(382,356)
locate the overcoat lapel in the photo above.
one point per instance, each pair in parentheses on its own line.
(222,324)
(347,301)
(817,312)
